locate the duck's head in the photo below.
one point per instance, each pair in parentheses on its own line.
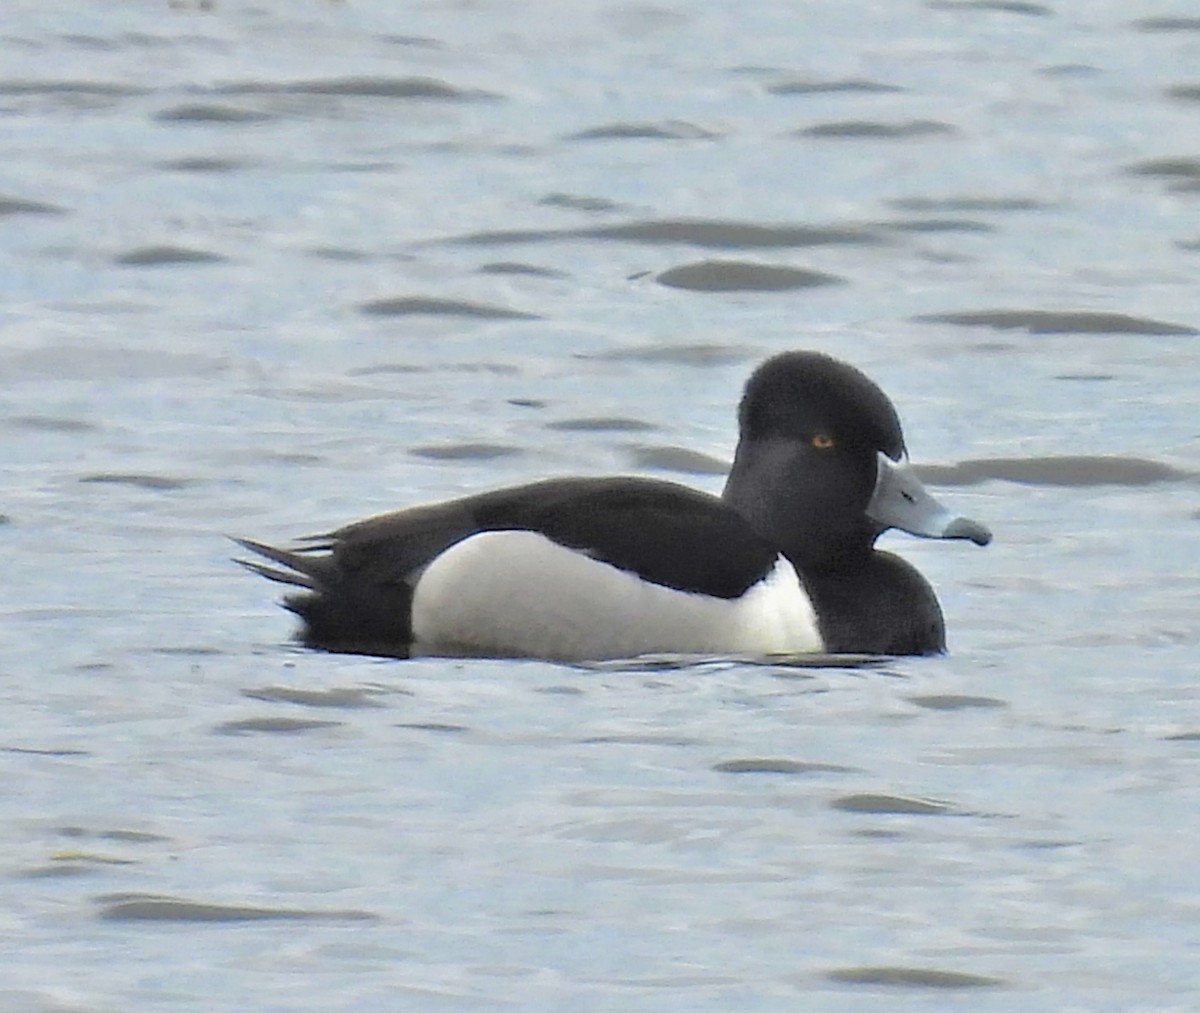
(821,468)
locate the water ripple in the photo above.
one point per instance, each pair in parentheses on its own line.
(878,131)
(333,697)
(273,725)
(677,459)
(912,977)
(1064,471)
(155,908)
(665,131)
(1058,322)
(716,233)
(362,87)
(891,805)
(401,306)
(466,451)
(220,114)
(775,765)
(741,276)
(21,206)
(1021,7)
(852,85)
(167,256)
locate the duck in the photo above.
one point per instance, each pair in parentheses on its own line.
(587,569)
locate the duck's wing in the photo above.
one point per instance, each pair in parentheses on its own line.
(664,533)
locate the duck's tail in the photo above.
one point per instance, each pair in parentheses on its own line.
(340,612)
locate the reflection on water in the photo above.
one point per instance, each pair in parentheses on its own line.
(271,267)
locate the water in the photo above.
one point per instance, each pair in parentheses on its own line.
(270,268)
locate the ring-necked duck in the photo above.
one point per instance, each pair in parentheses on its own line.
(593,568)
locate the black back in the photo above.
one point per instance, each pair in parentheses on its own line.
(663,532)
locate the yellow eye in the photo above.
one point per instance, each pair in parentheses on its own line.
(822,441)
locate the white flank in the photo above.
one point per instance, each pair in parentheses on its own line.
(517,593)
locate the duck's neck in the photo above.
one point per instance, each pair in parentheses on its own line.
(793,509)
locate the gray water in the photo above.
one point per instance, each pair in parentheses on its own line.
(271,267)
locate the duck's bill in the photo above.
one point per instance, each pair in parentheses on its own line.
(901,501)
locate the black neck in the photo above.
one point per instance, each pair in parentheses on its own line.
(799,505)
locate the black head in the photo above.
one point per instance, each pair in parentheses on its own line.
(811,432)
(803,395)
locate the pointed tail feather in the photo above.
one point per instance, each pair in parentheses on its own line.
(300,571)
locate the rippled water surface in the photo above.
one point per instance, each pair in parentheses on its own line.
(270,267)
